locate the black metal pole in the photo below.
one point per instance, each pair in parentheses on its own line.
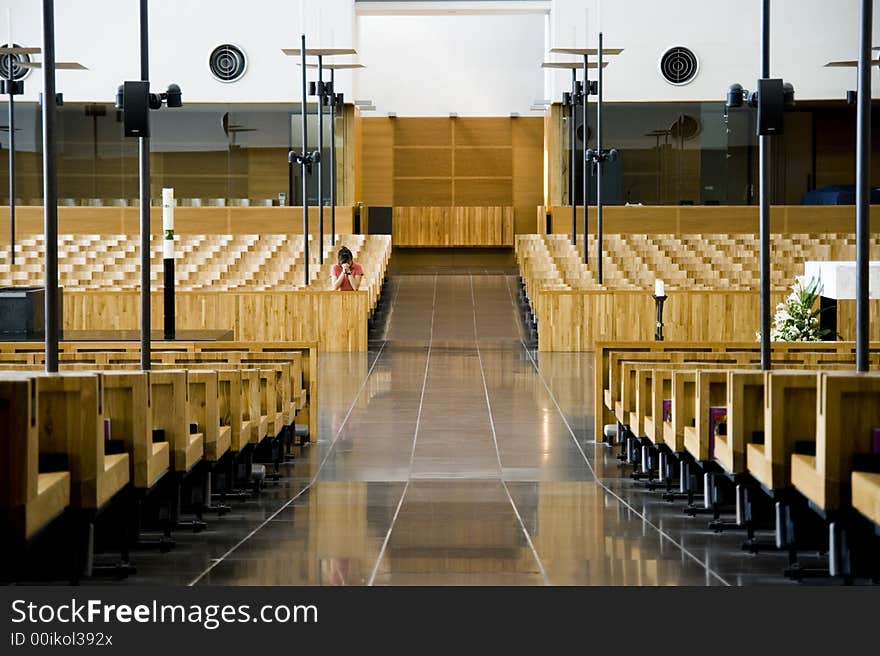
(333,97)
(10,82)
(572,131)
(586,141)
(320,157)
(144,171)
(305,147)
(50,187)
(599,166)
(863,187)
(765,190)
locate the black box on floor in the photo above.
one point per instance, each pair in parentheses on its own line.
(23,311)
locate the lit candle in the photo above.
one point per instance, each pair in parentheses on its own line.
(659,288)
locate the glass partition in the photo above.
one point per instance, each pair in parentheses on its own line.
(211,154)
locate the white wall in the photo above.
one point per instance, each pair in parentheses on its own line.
(420,65)
(725,36)
(102,34)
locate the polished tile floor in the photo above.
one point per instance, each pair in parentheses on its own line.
(450,454)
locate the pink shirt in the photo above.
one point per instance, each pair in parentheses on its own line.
(356,270)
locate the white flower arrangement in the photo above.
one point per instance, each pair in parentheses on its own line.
(797,318)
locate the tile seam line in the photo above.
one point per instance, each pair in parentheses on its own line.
(412,454)
(495,441)
(601,483)
(307,487)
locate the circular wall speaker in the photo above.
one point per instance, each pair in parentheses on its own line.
(679,65)
(228,63)
(18,72)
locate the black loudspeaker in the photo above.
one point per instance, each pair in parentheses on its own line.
(136,104)
(771,105)
(16,86)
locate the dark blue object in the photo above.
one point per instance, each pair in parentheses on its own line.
(837,195)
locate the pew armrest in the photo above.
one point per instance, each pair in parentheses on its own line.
(807,480)
(114,478)
(866,494)
(53,497)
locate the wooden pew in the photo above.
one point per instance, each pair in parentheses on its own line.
(745,419)
(204,410)
(128,405)
(170,391)
(711,392)
(684,396)
(30,499)
(847,414)
(70,421)
(789,425)
(127,352)
(785,355)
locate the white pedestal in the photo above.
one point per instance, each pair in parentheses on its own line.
(839,278)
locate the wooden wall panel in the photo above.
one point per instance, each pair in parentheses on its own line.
(267,172)
(433,162)
(483,191)
(452,226)
(422,162)
(187,220)
(484,162)
(422,191)
(377,162)
(421,131)
(482,132)
(668,219)
(528,171)
(576,320)
(336,321)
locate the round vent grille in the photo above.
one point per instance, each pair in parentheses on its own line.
(18,72)
(228,63)
(679,65)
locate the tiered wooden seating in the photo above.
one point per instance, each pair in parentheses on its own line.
(685,262)
(706,275)
(209,262)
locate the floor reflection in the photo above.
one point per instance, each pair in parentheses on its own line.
(472,461)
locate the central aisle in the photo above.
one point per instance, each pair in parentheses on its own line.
(444,459)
